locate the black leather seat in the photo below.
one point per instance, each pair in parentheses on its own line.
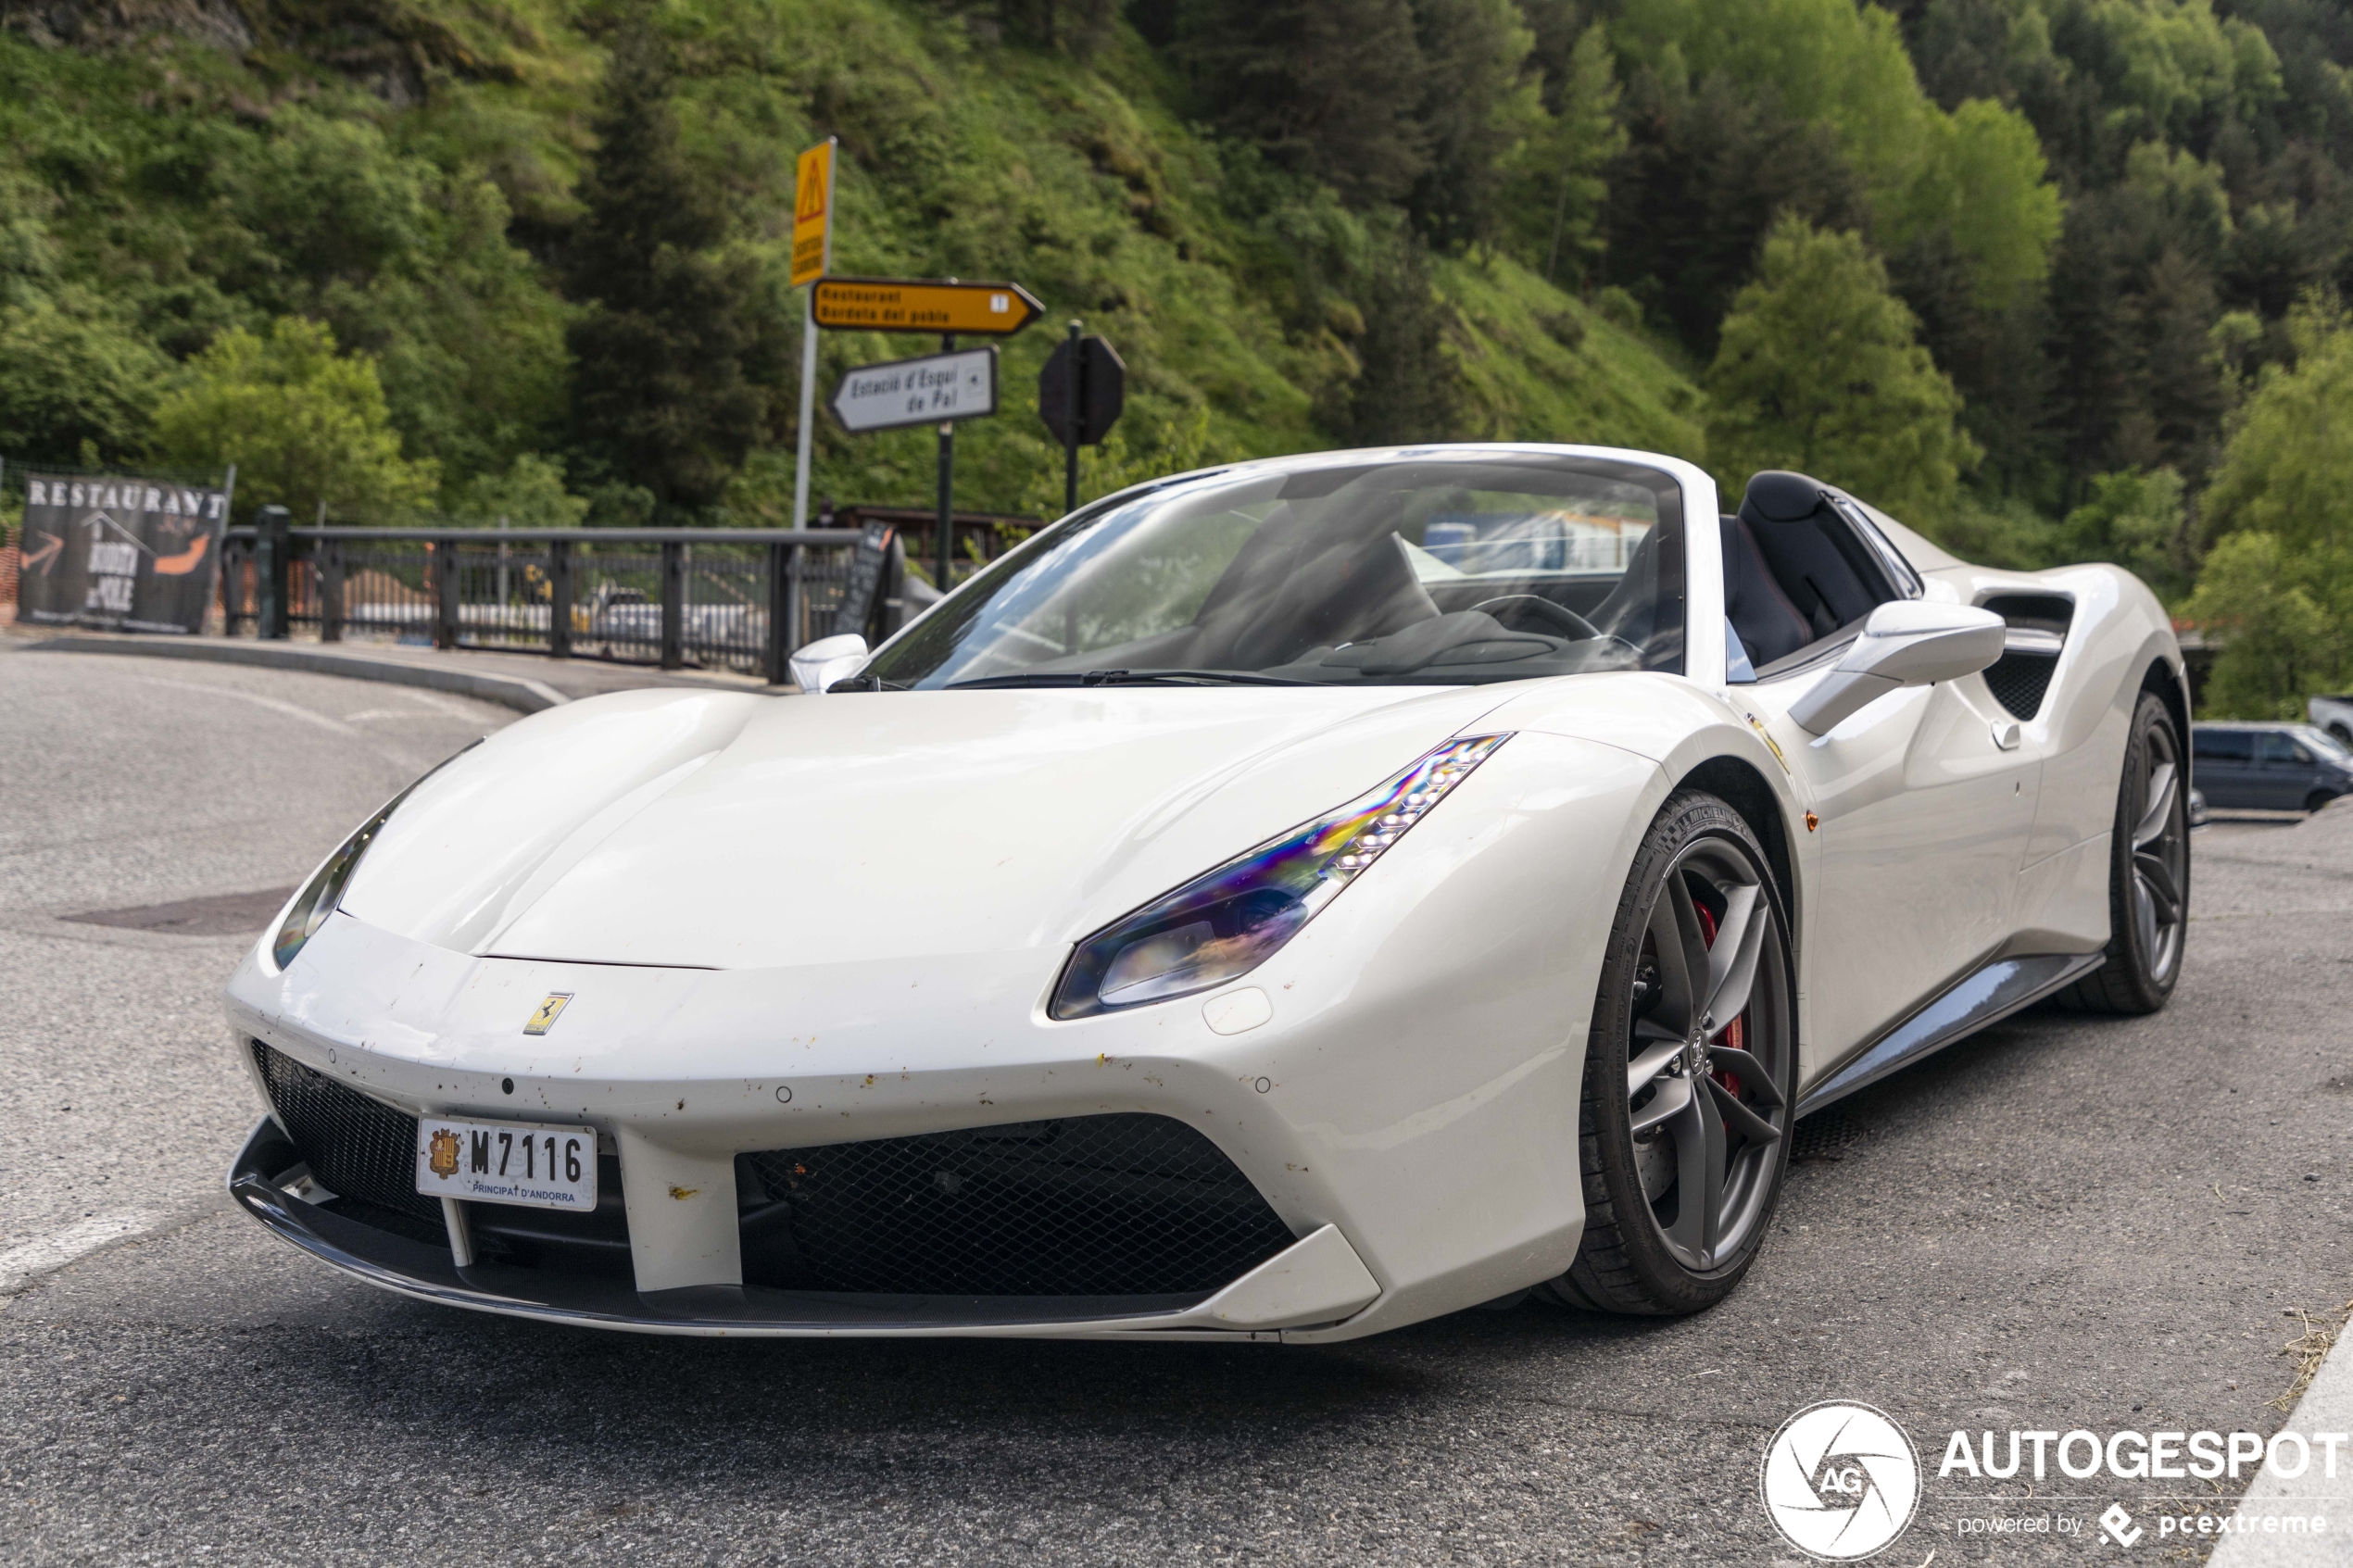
(1827,574)
(1768,624)
(1643,611)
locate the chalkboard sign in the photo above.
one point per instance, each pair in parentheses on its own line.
(866,563)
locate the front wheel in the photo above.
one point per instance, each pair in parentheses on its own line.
(1691,1071)
(2148,878)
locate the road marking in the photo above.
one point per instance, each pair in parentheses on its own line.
(20,1266)
(288,709)
(456,707)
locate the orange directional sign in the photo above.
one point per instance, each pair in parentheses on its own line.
(910,304)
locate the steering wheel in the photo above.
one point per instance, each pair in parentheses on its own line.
(1575,626)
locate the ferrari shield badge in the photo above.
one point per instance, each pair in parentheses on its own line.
(444,1157)
(544,1019)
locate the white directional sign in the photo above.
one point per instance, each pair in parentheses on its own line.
(918,391)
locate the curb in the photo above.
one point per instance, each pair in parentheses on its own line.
(507,691)
(2327,1406)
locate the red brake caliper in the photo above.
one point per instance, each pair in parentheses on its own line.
(1733,1031)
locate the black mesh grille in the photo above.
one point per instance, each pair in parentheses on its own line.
(2019,679)
(355,1147)
(1120,1204)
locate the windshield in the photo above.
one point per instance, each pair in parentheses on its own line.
(1425,569)
(2319,740)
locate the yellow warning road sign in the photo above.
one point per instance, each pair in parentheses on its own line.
(914,305)
(812,214)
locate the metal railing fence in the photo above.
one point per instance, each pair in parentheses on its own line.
(713,598)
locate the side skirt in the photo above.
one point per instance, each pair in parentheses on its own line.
(1986,994)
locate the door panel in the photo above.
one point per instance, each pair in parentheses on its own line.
(1924,827)
(2222,766)
(2284,771)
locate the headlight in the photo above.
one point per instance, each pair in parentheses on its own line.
(317,901)
(1232,920)
(324,890)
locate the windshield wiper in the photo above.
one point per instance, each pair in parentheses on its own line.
(866,683)
(1127,677)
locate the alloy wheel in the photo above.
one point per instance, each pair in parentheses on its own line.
(1707,1066)
(2160,854)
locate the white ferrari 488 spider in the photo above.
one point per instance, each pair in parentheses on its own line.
(1285,901)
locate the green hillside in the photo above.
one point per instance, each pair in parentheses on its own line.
(404,171)
(2050,279)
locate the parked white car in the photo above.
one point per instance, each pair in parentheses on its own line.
(1229,916)
(2333,714)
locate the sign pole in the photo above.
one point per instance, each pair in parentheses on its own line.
(947,540)
(808,413)
(1072,403)
(812,257)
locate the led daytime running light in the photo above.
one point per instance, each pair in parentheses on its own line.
(1228,921)
(1362,835)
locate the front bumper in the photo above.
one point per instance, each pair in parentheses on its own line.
(1319,1276)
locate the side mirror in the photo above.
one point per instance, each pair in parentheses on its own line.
(818,664)
(1907,643)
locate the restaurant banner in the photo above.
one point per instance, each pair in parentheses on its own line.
(119,555)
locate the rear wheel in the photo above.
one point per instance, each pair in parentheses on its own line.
(2149,884)
(1690,1070)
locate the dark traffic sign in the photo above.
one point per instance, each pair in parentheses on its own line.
(1101,392)
(1080,393)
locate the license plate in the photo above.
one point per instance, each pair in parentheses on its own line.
(520,1162)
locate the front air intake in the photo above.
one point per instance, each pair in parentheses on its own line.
(358,1149)
(1129,1204)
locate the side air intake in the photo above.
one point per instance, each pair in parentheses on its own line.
(1129,1204)
(2038,623)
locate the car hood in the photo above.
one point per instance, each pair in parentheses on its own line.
(728,831)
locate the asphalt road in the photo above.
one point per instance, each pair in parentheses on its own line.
(2063,1223)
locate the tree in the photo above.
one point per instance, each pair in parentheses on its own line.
(2136,519)
(2288,469)
(1816,369)
(1079,26)
(1843,67)
(71,374)
(2281,640)
(348,221)
(306,426)
(531,494)
(1706,173)
(1555,188)
(1328,88)
(1476,108)
(2276,589)
(1984,185)
(1407,386)
(660,394)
